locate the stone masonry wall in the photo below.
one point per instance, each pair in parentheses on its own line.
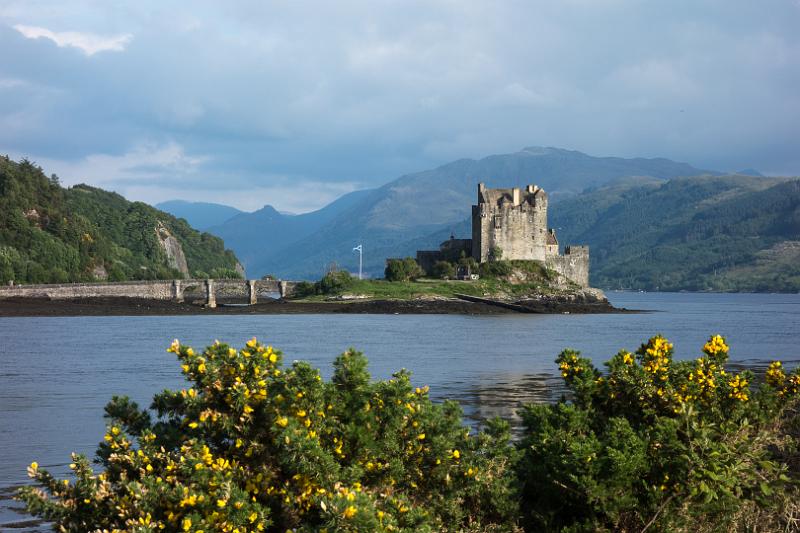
(154,290)
(574,264)
(514,220)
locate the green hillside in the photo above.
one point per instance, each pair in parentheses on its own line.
(724,233)
(52,234)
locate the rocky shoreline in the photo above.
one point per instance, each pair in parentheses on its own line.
(118,306)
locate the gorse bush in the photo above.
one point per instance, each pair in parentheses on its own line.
(656,444)
(253,445)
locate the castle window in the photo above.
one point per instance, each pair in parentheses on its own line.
(498,223)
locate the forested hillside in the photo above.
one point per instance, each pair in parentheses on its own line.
(726,233)
(52,234)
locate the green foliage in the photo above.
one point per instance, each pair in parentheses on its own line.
(469,262)
(225,273)
(496,253)
(724,233)
(403,270)
(333,282)
(443,270)
(653,443)
(254,445)
(51,234)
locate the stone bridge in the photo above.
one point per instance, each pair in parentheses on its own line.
(177,290)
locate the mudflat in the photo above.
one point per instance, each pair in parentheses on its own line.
(118,306)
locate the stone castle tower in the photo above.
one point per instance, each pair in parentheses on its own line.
(513,220)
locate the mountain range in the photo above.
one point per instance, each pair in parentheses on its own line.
(199,215)
(722,233)
(650,223)
(415,210)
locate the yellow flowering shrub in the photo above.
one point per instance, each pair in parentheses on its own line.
(251,445)
(654,442)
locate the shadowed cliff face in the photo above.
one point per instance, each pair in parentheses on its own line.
(172,249)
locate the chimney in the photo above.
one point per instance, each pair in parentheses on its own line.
(515,193)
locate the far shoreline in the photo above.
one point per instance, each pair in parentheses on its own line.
(121,306)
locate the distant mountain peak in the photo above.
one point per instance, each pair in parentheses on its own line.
(750,172)
(200,215)
(541,150)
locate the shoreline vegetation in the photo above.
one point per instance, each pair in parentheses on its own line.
(253,444)
(503,287)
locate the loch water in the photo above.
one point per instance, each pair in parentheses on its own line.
(57,373)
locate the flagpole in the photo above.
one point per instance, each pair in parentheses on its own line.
(360,258)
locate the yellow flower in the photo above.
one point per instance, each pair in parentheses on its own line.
(282,421)
(421,436)
(456,454)
(187,524)
(716,345)
(349,512)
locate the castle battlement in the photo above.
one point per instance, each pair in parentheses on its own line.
(514,222)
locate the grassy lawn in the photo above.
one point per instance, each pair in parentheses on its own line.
(399,290)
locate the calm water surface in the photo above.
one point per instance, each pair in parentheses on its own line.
(56,374)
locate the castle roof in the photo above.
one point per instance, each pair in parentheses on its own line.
(502,196)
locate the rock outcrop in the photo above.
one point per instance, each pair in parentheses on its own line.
(172,249)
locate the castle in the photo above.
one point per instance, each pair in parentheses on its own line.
(512,223)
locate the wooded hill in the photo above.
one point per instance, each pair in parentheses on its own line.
(51,234)
(722,233)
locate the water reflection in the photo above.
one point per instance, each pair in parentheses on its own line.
(501,395)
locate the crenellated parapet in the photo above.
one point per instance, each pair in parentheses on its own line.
(512,220)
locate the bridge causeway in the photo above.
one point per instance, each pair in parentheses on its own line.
(175,289)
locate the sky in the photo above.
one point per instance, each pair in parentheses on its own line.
(294,103)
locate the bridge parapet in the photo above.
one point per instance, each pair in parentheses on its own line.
(155,289)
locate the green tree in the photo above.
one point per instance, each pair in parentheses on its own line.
(443,270)
(403,269)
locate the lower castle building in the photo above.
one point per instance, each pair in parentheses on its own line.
(512,223)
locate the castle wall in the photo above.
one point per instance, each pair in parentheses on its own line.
(513,220)
(574,264)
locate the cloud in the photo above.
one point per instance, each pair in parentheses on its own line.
(88,43)
(152,173)
(269,96)
(145,163)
